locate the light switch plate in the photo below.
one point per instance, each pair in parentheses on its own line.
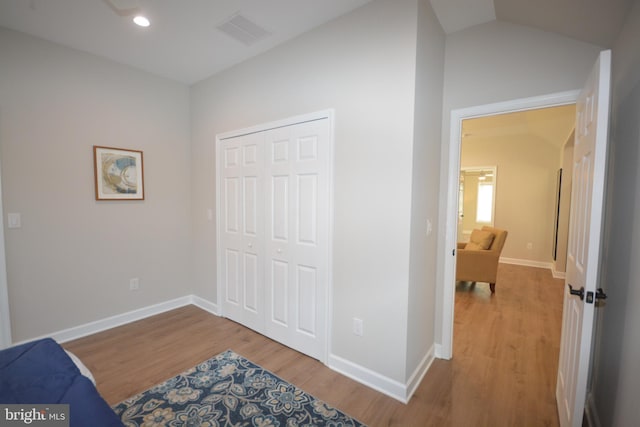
(358,327)
(14,220)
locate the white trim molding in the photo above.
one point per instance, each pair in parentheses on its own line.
(372,379)
(526,263)
(419,373)
(5,318)
(206,305)
(90,328)
(557,274)
(538,264)
(376,381)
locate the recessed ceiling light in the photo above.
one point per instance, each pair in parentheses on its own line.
(141,21)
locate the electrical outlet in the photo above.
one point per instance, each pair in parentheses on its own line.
(529,245)
(358,327)
(134,284)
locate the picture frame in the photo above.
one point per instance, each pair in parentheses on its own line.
(118,173)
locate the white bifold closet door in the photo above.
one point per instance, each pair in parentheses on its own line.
(274,229)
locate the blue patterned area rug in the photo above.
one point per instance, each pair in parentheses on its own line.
(228,390)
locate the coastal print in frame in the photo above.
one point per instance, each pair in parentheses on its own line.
(118,173)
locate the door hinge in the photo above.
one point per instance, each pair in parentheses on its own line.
(600,294)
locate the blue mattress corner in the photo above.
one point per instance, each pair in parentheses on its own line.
(41,372)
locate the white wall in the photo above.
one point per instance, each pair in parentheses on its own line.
(425,186)
(71,261)
(497,62)
(616,377)
(363,65)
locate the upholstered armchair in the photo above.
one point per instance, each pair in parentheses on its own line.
(477,261)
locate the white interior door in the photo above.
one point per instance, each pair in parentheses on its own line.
(273,224)
(242,230)
(297,231)
(583,256)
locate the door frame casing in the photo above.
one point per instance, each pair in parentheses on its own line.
(327,114)
(5,317)
(447,287)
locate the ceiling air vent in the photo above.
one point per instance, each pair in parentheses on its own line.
(242,29)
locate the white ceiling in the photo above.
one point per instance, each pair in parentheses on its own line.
(592,21)
(183,43)
(550,125)
(456,15)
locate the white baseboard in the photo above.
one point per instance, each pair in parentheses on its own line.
(206,305)
(558,274)
(376,381)
(420,372)
(526,262)
(538,264)
(440,352)
(372,379)
(90,328)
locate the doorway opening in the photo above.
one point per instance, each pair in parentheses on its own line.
(453,184)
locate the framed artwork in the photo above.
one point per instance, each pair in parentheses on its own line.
(118,173)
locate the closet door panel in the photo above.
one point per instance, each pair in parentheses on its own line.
(232,216)
(307,215)
(279,208)
(233,282)
(252,281)
(251,209)
(243,230)
(297,155)
(279,293)
(307,319)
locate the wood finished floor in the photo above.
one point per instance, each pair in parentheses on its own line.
(503,372)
